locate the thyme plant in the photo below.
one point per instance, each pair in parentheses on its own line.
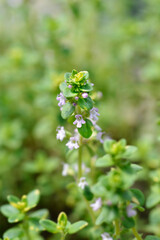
(106,186)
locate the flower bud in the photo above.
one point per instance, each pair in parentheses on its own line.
(84,95)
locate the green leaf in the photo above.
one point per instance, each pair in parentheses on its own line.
(75,227)
(138,195)
(85,103)
(67,110)
(108,144)
(154,216)
(67,76)
(32,199)
(13,233)
(49,225)
(42,213)
(102,217)
(34,224)
(86,130)
(16,218)
(67,92)
(87,193)
(62,219)
(152,200)
(99,190)
(8,210)
(62,86)
(152,238)
(13,199)
(104,161)
(86,88)
(85,75)
(107,215)
(128,222)
(129,151)
(136,167)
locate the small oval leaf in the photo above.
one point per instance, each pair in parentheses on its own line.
(75,227)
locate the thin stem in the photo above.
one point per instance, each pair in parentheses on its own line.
(26,229)
(90,211)
(117,228)
(136,234)
(62,237)
(80,158)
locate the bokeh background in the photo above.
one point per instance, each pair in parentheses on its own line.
(118,42)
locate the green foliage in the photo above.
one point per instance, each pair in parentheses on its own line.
(67,110)
(118,42)
(63,226)
(16,211)
(86,129)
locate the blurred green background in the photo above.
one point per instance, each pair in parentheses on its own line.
(118,42)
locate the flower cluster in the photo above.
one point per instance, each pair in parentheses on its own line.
(110,199)
(75,101)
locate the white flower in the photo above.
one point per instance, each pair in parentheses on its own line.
(61,133)
(93,115)
(61,99)
(65,169)
(84,168)
(130,211)
(72,143)
(106,236)
(82,183)
(97,205)
(79,121)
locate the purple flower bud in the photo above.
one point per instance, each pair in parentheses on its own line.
(74,104)
(84,95)
(70,86)
(131,212)
(76,98)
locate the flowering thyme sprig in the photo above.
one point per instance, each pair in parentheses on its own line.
(120,201)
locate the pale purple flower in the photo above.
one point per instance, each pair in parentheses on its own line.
(72,143)
(94,114)
(100,136)
(84,95)
(65,169)
(82,182)
(61,99)
(76,98)
(70,86)
(79,121)
(98,128)
(97,204)
(61,133)
(76,134)
(131,212)
(106,236)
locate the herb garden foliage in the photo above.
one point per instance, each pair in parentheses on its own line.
(118,42)
(109,198)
